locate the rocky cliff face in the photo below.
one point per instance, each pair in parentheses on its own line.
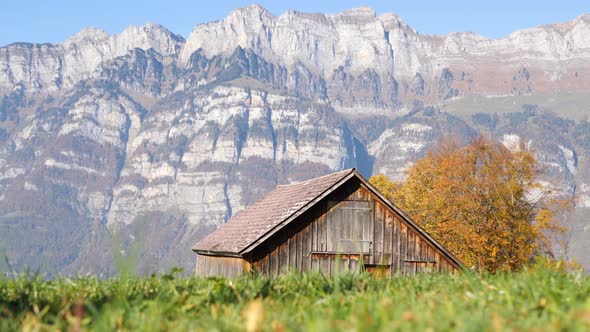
(143,142)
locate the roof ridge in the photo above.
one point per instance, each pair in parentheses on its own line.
(348,170)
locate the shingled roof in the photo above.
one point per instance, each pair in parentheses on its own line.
(255,221)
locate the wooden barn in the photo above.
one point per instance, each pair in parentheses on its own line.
(337,222)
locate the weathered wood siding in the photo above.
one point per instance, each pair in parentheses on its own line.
(219,266)
(349,230)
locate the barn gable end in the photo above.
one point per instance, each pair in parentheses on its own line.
(331,224)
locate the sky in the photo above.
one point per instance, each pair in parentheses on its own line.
(54,21)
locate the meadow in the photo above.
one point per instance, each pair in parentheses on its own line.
(531,300)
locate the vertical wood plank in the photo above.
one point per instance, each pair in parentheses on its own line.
(431,253)
(324,230)
(417,252)
(424,254)
(211,268)
(431,258)
(293,251)
(353,265)
(411,251)
(411,245)
(306,250)
(283,257)
(371,235)
(416,244)
(298,264)
(367,225)
(279,260)
(340,226)
(403,248)
(299,251)
(314,262)
(332,265)
(314,234)
(387,243)
(357,195)
(345,265)
(437,260)
(315,265)
(325,265)
(378,231)
(258,265)
(331,228)
(217,267)
(272,261)
(397,243)
(246,266)
(204,266)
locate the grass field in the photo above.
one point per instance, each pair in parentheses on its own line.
(566,104)
(533,300)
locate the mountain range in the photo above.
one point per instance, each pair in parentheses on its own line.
(129,148)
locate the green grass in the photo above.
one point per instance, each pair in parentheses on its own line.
(533,300)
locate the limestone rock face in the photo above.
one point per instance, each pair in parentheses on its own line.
(145,140)
(348,45)
(55,67)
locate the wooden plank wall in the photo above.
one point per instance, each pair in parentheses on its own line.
(404,249)
(396,245)
(217,266)
(289,249)
(349,226)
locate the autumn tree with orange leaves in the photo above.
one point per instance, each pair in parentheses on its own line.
(481,201)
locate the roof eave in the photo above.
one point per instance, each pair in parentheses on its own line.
(217,253)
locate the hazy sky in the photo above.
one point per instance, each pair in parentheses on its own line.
(55,20)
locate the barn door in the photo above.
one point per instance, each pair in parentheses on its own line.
(349,227)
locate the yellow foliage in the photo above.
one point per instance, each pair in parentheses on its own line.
(473,199)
